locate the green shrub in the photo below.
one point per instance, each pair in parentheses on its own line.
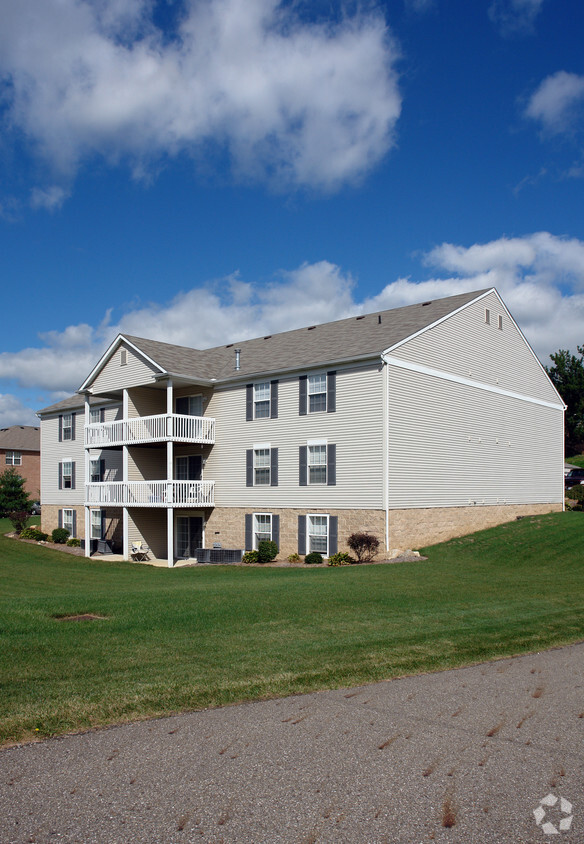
(18,518)
(576,493)
(60,536)
(267,551)
(74,543)
(250,557)
(34,533)
(364,545)
(341,558)
(294,558)
(313,559)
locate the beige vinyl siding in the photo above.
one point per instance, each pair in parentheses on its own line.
(115,377)
(146,401)
(149,527)
(356,428)
(146,464)
(455,445)
(464,345)
(54,452)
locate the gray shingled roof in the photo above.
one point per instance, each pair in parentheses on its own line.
(73,402)
(20,438)
(345,339)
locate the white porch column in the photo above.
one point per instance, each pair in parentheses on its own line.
(126,539)
(169,475)
(86,479)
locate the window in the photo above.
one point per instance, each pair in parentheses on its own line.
(261,467)
(262,528)
(190,405)
(316,393)
(67,474)
(318,534)
(317,464)
(261,400)
(14,458)
(96,524)
(96,470)
(67,427)
(96,414)
(69,521)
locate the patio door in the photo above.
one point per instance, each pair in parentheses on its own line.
(189,535)
(189,468)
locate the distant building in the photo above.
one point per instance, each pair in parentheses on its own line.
(417,424)
(20,448)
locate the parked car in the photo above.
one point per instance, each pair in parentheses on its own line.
(35,509)
(574,477)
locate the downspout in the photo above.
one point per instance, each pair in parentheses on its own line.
(386,448)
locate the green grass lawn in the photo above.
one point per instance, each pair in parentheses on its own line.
(173,640)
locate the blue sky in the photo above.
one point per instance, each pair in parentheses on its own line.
(205,171)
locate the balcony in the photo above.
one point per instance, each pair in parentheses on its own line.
(151,429)
(151,494)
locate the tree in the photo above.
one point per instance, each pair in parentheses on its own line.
(12,493)
(567,375)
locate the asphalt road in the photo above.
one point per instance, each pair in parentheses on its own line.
(460,756)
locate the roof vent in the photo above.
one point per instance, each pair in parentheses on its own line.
(238,359)
(311,328)
(229,345)
(268,337)
(378,319)
(426,303)
(360,317)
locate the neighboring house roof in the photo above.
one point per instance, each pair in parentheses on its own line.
(73,402)
(357,337)
(20,438)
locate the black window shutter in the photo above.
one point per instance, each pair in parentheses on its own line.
(248,531)
(331,465)
(331,392)
(273,399)
(182,405)
(61,429)
(302,389)
(333,539)
(302,465)
(249,467)
(302,534)
(248,402)
(60,518)
(101,469)
(72,426)
(73,475)
(74,525)
(102,414)
(274,467)
(60,476)
(276,530)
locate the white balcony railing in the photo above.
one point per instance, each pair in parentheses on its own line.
(150,429)
(151,494)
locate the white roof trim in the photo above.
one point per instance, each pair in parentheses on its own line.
(108,354)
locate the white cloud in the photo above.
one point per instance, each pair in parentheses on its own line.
(14,412)
(290,102)
(515,17)
(558,102)
(540,277)
(49,198)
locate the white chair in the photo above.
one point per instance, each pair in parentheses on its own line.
(139,552)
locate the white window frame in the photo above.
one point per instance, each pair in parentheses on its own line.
(314,391)
(256,530)
(95,524)
(67,427)
(68,523)
(94,477)
(262,467)
(312,534)
(262,399)
(14,458)
(318,464)
(67,475)
(94,415)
